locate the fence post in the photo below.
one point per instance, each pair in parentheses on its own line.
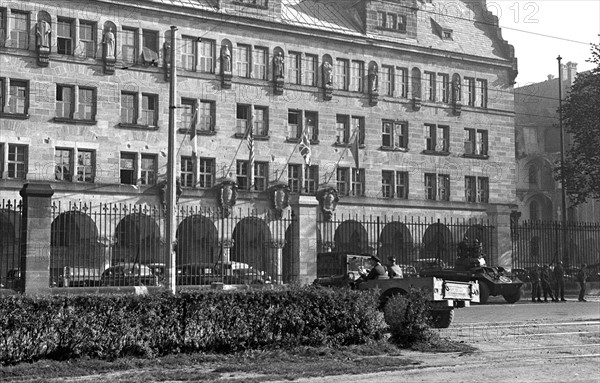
(36,231)
(308,210)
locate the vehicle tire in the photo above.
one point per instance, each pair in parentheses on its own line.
(512,297)
(388,294)
(442,318)
(484,293)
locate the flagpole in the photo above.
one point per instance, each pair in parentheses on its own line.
(289,158)
(194,137)
(250,138)
(356,130)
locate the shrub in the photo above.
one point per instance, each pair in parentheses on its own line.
(408,317)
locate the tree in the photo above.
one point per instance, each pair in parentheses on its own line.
(581,119)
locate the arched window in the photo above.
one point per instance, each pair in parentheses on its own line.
(533,174)
(534,211)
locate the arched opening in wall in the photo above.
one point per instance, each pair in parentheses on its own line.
(290,253)
(351,237)
(197,241)
(534,211)
(74,244)
(532,172)
(534,250)
(416,83)
(251,245)
(437,243)
(395,240)
(137,240)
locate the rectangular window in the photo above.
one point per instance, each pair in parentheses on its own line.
(310,72)
(64,36)
(402,185)
(148,169)
(17,161)
(358,127)
(242,117)
(294,73)
(149,110)
(2,27)
(128,108)
(87,104)
(381,19)
(261,121)
(62,164)
(358,182)
(343,181)
(242,61)
(311,124)
(402,78)
(470,90)
(470,189)
(387,183)
(341,74)
(259,61)
(188,114)
(207,56)
(391,21)
(261,175)
(188,53)
(443,187)
(444,87)
(129,47)
(387,80)
(482,93)
(85,165)
(357,73)
(430,186)
(128,168)
(342,128)
(64,101)
(206,116)
(437,138)
(206,167)
(402,23)
(476,141)
(483,186)
(20,31)
(294,123)
(394,134)
(311,179)
(294,179)
(150,47)
(242,174)
(394,184)
(87,39)
(430,85)
(186,172)
(18,101)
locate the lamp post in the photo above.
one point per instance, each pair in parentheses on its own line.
(562,164)
(171,189)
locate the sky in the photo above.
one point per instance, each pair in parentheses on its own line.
(541,30)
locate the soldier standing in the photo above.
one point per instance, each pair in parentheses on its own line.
(546,286)
(534,276)
(559,281)
(581,278)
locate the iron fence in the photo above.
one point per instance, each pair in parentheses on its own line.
(10,243)
(124,244)
(412,242)
(542,242)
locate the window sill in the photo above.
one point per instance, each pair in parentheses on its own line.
(256,138)
(137,126)
(346,145)
(74,121)
(14,116)
(403,31)
(391,149)
(479,156)
(249,5)
(436,153)
(198,132)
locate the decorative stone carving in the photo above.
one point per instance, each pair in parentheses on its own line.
(226,67)
(456,103)
(327,80)
(328,199)
(416,103)
(227,196)
(373,85)
(43,32)
(279,195)
(108,40)
(278,72)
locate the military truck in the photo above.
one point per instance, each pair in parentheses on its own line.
(344,270)
(471,266)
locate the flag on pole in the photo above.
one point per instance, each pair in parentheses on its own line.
(354,146)
(305,147)
(250,142)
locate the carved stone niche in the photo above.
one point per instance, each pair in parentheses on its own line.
(416,103)
(328,199)
(227,196)
(279,195)
(456,93)
(278,70)
(373,83)
(226,64)
(109,42)
(43,30)
(327,69)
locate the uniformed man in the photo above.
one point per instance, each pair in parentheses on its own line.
(581,279)
(377,271)
(559,281)
(534,276)
(394,271)
(546,286)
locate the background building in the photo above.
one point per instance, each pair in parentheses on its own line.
(420,90)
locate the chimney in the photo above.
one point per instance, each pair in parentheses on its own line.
(550,77)
(571,73)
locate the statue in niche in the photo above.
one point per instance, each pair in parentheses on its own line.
(327,73)
(226,59)
(279,65)
(109,43)
(43,31)
(373,79)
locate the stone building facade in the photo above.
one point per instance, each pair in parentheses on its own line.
(420,90)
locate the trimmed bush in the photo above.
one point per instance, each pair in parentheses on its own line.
(111,326)
(408,317)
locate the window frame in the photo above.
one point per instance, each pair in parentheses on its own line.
(402,76)
(397,133)
(342,73)
(153,46)
(202,125)
(81,105)
(189,53)
(476,189)
(477,141)
(148,174)
(12,107)
(295,67)
(243,68)
(20,37)
(430,85)
(126,34)
(312,70)
(18,168)
(260,127)
(432,139)
(133,109)
(60,92)
(206,172)
(128,156)
(186,171)
(357,73)
(145,112)
(69,48)
(84,42)
(260,63)
(206,62)
(387,80)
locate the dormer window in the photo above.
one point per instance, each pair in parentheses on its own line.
(441,30)
(390,21)
(447,34)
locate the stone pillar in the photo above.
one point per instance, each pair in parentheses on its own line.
(35,237)
(308,208)
(501,241)
(278,246)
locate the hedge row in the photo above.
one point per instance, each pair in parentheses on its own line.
(111,326)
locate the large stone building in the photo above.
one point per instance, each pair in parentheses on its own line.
(424,89)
